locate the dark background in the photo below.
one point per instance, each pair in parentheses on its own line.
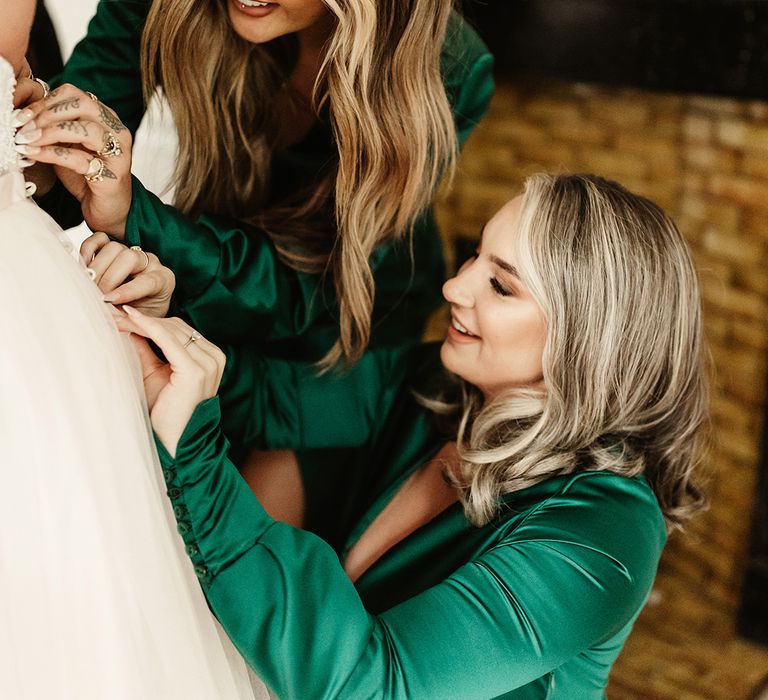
(717,47)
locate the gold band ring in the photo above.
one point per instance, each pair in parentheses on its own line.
(193,338)
(139,249)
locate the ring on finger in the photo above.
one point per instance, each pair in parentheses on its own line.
(111,146)
(44,85)
(92,96)
(95,172)
(196,335)
(139,249)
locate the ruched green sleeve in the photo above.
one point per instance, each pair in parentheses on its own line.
(231,285)
(568,572)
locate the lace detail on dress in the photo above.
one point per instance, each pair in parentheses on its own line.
(9,159)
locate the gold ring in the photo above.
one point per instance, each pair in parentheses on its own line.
(95,172)
(138,249)
(193,338)
(111,146)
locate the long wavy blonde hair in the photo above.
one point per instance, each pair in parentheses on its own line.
(389,113)
(624,361)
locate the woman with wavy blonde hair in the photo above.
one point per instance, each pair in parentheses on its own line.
(312,136)
(506,555)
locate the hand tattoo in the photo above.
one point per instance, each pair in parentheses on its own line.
(109,174)
(109,119)
(64,105)
(75,126)
(61,151)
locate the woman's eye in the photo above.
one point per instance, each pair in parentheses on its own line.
(500,289)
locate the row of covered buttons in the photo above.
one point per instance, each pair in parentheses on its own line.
(184,526)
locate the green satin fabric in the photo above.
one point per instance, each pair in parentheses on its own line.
(276,322)
(537,604)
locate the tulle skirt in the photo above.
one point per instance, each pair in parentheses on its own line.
(97,596)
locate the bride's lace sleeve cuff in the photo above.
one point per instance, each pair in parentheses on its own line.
(216,512)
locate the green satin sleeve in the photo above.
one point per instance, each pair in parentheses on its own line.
(231,285)
(570,574)
(229,281)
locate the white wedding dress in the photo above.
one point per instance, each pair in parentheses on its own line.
(98,600)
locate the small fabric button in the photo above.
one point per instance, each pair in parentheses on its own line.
(192,550)
(169,475)
(201,571)
(180,510)
(174,492)
(183,527)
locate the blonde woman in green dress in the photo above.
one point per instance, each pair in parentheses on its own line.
(499,533)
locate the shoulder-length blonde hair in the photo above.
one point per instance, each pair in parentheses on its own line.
(389,113)
(623,363)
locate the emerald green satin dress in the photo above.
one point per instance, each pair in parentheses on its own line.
(536,604)
(272,321)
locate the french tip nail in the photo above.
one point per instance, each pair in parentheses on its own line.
(25,162)
(27,150)
(29,126)
(19,117)
(24,137)
(130,310)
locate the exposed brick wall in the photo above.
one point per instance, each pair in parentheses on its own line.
(705,160)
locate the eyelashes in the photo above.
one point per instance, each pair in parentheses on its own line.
(499,288)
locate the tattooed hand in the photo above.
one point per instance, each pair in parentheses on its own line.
(80,136)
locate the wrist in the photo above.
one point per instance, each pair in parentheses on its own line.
(108,212)
(190,435)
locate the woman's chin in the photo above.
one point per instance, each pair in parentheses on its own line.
(449,359)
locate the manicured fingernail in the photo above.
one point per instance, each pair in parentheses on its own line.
(20,117)
(130,310)
(28,137)
(109,298)
(25,162)
(27,150)
(30,126)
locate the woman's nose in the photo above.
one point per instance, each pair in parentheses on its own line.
(458,289)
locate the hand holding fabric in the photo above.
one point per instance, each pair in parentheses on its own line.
(90,150)
(129,275)
(174,388)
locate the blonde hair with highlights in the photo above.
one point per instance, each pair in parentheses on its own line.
(389,113)
(624,363)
